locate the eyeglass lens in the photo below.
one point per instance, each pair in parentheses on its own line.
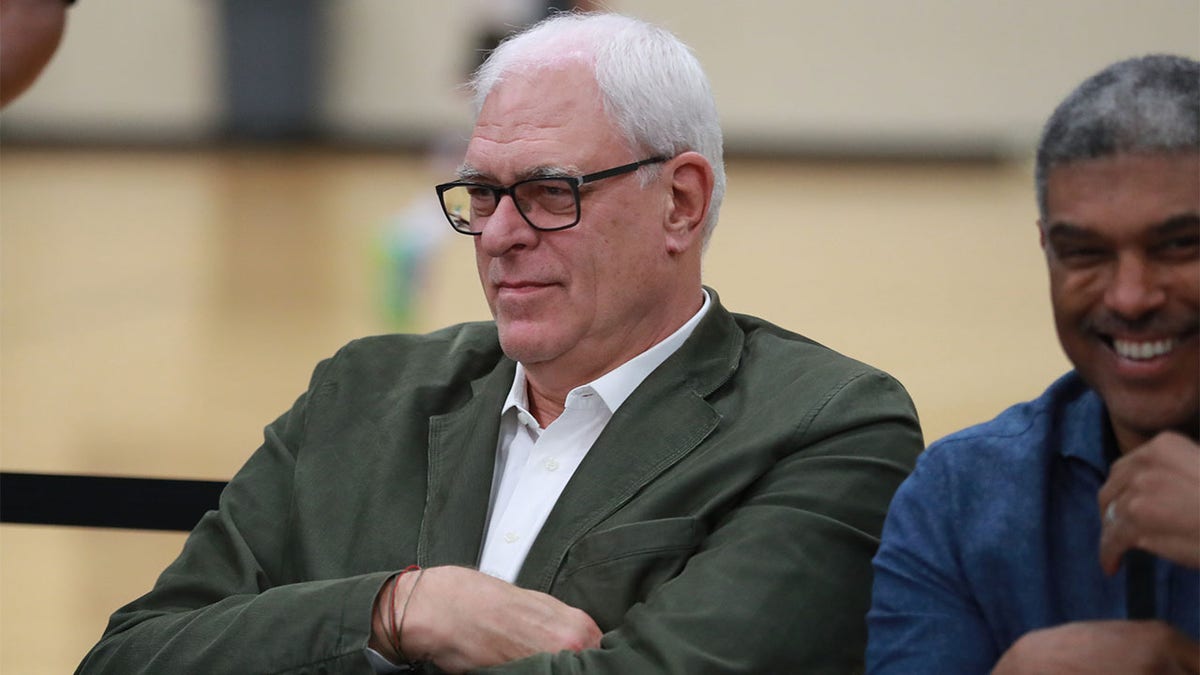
(548,204)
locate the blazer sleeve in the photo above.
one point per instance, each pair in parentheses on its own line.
(221,606)
(782,583)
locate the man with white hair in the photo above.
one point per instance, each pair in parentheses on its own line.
(616,475)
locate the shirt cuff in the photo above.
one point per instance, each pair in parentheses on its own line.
(382,666)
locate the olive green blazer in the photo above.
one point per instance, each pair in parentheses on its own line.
(723,522)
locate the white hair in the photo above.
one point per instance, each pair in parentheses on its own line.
(652,86)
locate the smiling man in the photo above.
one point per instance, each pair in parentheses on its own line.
(1064,535)
(616,475)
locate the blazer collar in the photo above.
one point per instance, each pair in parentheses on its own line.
(462,459)
(662,421)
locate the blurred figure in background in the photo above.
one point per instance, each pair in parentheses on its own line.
(413,236)
(1064,535)
(30,31)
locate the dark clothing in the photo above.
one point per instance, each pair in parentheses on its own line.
(997,533)
(724,521)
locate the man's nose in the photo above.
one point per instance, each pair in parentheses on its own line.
(506,229)
(1134,289)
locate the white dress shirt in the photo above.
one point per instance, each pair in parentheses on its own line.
(533,464)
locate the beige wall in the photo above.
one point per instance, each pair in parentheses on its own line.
(861,75)
(160,308)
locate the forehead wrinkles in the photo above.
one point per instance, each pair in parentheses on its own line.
(545,99)
(490,158)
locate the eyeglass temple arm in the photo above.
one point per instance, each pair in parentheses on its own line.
(616,171)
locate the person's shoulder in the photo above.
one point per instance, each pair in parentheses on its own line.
(780,348)
(783,361)
(991,478)
(1023,433)
(462,349)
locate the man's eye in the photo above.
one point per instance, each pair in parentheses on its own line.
(1184,247)
(544,189)
(1080,255)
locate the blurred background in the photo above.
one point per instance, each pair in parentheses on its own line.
(200,199)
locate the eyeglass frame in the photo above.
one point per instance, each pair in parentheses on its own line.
(573,181)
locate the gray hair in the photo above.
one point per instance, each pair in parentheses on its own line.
(1149,104)
(652,86)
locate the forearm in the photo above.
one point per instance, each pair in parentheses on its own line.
(1102,648)
(237,599)
(305,627)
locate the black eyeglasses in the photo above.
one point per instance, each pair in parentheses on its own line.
(547,204)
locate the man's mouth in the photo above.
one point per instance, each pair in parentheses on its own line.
(521,285)
(1142,350)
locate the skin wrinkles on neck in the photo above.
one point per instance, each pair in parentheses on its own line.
(547,403)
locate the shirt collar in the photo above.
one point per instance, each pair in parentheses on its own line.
(616,385)
(1091,439)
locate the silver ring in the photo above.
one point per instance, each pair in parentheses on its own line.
(1110,514)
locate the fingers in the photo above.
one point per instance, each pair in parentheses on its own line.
(462,619)
(1186,653)
(1101,647)
(1117,536)
(1151,501)
(1170,452)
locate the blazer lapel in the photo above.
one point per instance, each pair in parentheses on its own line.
(462,459)
(664,419)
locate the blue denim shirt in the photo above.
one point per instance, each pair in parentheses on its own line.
(997,533)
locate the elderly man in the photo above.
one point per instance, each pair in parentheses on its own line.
(616,475)
(1064,535)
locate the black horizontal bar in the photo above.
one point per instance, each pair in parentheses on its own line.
(105,501)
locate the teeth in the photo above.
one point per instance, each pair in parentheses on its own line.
(1141,351)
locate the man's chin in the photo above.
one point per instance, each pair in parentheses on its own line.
(527,349)
(1145,415)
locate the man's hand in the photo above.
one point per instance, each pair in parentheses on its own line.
(461,619)
(1099,647)
(1151,501)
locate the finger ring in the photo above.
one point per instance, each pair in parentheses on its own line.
(1110,514)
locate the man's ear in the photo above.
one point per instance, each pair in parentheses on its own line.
(689,177)
(1041,234)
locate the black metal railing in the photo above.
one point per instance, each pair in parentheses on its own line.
(105,501)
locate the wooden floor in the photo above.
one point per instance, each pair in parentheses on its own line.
(157,309)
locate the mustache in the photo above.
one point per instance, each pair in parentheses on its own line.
(1154,323)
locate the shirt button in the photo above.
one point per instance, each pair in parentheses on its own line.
(511,537)
(550,464)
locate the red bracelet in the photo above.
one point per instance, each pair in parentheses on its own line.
(395,627)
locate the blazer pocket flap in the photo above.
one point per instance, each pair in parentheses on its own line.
(649,537)
(607,572)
